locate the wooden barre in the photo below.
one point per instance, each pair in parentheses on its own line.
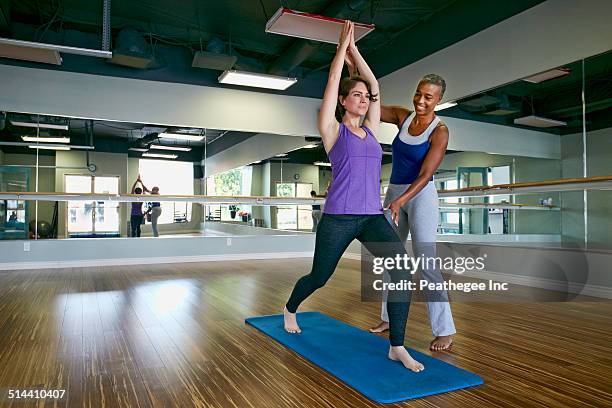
(595,179)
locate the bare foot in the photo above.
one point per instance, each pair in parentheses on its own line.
(291,325)
(399,353)
(382,326)
(441,343)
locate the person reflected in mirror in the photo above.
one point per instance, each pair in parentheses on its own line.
(136,215)
(316,212)
(154,211)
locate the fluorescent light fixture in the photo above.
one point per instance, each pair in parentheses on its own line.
(445,105)
(537,121)
(54,47)
(545,76)
(310,146)
(175,148)
(255,162)
(45,139)
(49,147)
(160,155)
(256,80)
(182,136)
(39,125)
(281,155)
(323,164)
(138,149)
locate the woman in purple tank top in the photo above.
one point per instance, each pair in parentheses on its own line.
(353,209)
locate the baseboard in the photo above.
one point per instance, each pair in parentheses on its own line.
(9,266)
(598,291)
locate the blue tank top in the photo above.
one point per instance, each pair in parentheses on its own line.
(355,186)
(409,152)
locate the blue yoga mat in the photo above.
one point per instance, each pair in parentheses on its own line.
(360,359)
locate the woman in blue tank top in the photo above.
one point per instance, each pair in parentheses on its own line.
(412,199)
(352,208)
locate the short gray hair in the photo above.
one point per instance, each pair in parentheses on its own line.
(435,79)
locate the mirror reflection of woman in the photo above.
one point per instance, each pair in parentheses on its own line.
(154,209)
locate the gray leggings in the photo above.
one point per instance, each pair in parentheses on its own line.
(155,213)
(419,217)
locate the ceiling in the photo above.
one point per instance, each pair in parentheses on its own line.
(115,137)
(172,32)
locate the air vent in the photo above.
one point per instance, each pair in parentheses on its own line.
(548,75)
(502,112)
(210,60)
(479,104)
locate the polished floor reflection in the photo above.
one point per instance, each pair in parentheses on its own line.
(174,336)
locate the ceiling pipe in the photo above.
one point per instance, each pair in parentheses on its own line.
(300,50)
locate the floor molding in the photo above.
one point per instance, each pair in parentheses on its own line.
(152,260)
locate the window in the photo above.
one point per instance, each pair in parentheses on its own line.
(172,178)
(92,218)
(294,216)
(235,182)
(449,217)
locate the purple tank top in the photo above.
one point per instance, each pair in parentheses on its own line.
(355,186)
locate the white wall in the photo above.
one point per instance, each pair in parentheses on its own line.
(259,147)
(132,100)
(546,36)
(46,182)
(469,135)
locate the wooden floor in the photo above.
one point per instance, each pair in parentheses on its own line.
(174,336)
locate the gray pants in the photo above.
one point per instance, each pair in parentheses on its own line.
(419,217)
(155,213)
(316,218)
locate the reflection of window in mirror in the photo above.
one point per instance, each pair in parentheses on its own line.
(172,178)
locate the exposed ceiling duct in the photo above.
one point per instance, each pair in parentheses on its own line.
(132,50)
(300,50)
(145,141)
